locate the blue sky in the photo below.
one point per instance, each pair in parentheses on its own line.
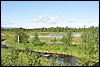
(37,14)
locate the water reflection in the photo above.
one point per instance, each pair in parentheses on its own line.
(64,61)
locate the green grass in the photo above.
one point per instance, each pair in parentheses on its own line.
(77,51)
(60,49)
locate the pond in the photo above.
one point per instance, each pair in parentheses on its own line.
(75,35)
(63,60)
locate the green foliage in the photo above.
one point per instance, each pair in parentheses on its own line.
(67,39)
(54,40)
(33,59)
(14,59)
(23,37)
(90,44)
(36,40)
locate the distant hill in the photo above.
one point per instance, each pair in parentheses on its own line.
(6,27)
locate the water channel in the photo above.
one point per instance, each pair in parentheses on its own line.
(63,60)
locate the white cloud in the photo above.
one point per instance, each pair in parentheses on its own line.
(47,19)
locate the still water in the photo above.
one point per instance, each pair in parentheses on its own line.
(75,35)
(63,60)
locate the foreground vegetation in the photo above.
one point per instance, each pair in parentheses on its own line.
(16,58)
(86,47)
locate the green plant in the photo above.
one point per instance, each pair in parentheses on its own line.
(23,37)
(90,43)
(67,39)
(54,40)
(36,40)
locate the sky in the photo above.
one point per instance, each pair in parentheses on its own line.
(38,14)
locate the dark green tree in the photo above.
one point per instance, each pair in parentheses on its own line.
(23,37)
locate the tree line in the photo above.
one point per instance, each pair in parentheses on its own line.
(51,29)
